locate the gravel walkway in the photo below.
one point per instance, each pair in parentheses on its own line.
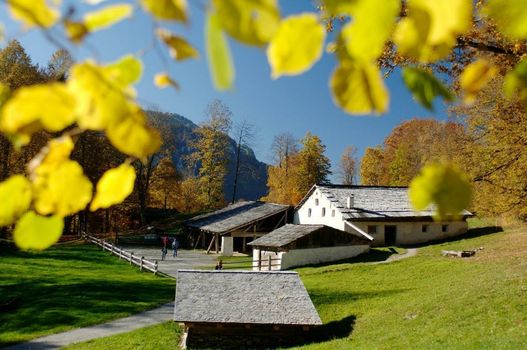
(186,259)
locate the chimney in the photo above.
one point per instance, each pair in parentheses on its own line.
(350,202)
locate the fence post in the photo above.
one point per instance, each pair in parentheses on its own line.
(269,262)
(141,266)
(155,268)
(131,257)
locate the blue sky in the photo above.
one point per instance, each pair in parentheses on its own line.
(293,104)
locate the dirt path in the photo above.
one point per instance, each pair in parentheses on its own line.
(396,257)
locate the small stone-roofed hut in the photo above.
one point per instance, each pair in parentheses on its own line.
(298,245)
(237,224)
(242,309)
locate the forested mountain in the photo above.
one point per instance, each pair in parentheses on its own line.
(178,133)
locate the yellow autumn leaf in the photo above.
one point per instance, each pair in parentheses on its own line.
(33,13)
(167,9)
(63,190)
(55,152)
(133,137)
(107,16)
(35,232)
(218,54)
(15,199)
(41,106)
(125,71)
(358,88)
(443,186)
(297,45)
(101,97)
(163,80)
(474,78)
(510,16)
(430,30)
(114,186)
(250,22)
(179,48)
(372,24)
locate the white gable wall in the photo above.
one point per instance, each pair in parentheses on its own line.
(316,218)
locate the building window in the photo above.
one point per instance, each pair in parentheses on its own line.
(333,213)
(372,229)
(309,213)
(316,201)
(424,228)
(444,228)
(323,212)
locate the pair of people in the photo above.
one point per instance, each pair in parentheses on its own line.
(164,250)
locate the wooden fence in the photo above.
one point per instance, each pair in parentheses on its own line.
(144,264)
(266,264)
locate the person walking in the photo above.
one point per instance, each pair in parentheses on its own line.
(175,246)
(164,250)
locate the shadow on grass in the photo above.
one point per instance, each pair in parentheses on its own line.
(471,233)
(333,330)
(320,297)
(373,255)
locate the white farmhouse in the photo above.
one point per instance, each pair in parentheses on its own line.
(383,213)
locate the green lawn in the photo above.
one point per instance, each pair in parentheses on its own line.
(164,336)
(71,286)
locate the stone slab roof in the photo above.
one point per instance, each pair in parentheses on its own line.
(235,216)
(247,297)
(289,233)
(373,202)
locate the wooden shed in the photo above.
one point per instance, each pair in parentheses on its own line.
(243,309)
(237,224)
(298,245)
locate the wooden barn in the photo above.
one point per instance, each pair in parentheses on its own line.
(237,224)
(385,213)
(298,245)
(243,309)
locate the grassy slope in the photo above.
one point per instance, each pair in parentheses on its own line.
(69,287)
(427,301)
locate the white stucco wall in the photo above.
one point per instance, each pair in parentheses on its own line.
(411,232)
(302,217)
(302,257)
(227,244)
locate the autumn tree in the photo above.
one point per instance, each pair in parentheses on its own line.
(372,170)
(212,153)
(496,154)
(164,184)
(348,166)
(186,199)
(410,146)
(281,180)
(313,165)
